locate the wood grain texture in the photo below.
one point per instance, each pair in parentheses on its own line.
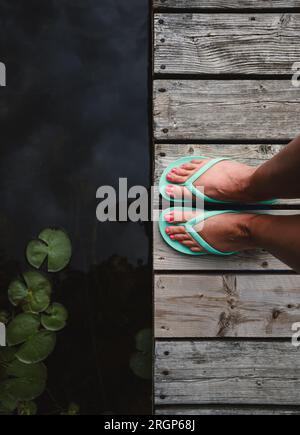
(166,258)
(253,155)
(226,110)
(208,306)
(231,372)
(227,4)
(226,43)
(230,410)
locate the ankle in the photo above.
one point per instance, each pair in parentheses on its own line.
(252,224)
(247,230)
(247,184)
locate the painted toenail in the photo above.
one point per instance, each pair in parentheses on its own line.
(172,237)
(168,230)
(170,187)
(169,218)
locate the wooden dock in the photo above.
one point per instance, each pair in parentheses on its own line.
(222,86)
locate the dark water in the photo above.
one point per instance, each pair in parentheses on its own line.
(74,116)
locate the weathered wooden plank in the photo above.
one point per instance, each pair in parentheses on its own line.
(166,258)
(226,43)
(253,155)
(218,372)
(204,306)
(227,4)
(226,110)
(230,410)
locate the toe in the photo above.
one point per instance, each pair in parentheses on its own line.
(196,249)
(181,172)
(181,237)
(175,230)
(199,162)
(175,178)
(184,215)
(178,192)
(190,243)
(189,167)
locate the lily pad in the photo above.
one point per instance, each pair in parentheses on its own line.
(144,340)
(37,348)
(24,382)
(52,244)
(32,293)
(141,365)
(7,355)
(21,328)
(7,403)
(17,292)
(141,361)
(27,408)
(4,317)
(55,317)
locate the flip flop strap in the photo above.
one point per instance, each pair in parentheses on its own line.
(190,182)
(189,226)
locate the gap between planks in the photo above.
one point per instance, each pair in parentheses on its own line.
(230,5)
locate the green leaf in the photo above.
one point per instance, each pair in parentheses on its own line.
(4,317)
(7,403)
(33,294)
(54,244)
(144,340)
(37,348)
(36,253)
(7,355)
(24,389)
(141,361)
(21,328)
(20,370)
(39,289)
(24,382)
(17,292)
(141,365)
(73,409)
(27,408)
(55,317)
(5,411)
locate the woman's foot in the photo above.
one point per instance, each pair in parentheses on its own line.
(226,232)
(226,181)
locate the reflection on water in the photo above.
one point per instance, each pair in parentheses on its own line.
(74,117)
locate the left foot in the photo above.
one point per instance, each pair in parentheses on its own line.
(226,181)
(226,232)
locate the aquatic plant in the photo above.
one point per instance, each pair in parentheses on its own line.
(141,361)
(32,325)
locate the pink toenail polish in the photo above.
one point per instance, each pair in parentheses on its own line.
(169,218)
(172,237)
(170,187)
(169,177)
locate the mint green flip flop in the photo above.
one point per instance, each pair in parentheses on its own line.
(189,226)
(189,184)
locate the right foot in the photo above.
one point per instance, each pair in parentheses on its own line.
(226,181)
(226,232)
